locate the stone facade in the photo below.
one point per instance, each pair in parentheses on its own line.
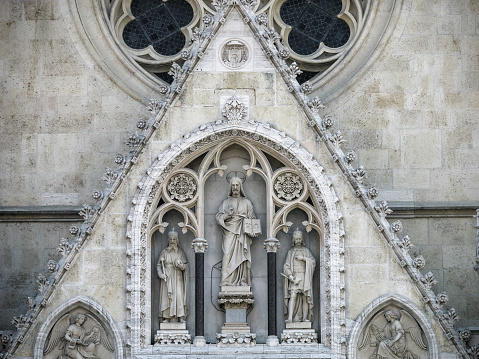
(82,135)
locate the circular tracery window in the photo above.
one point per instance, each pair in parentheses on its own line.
(312,23)
(158,24)
(317,33)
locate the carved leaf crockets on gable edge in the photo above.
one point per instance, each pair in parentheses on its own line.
(158,111)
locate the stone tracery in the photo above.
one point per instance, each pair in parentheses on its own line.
(215,138)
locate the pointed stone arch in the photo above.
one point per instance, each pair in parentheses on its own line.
(196,143)
(363,320)
(84,304)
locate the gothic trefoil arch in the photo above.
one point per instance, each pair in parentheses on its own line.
(300,178)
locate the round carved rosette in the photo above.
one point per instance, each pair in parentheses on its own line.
(182,187)
(288,186)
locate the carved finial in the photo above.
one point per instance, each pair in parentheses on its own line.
(21,321)
(405,244)
(198,36)
(154,107)
(42,283)
(293,70)
(109,176)
(87,212)
(220,4)
(428,280)
(359,174)
(176,71)
(451,317)
(337,139)
(383,209)
(65,247)
(134,141)
(315,105)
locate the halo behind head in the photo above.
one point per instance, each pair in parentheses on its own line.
(238,174)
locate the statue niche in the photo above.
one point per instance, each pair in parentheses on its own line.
(236,194)
(392,333)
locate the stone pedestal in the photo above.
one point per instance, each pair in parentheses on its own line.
(172,334)
(236,331)
(299,333)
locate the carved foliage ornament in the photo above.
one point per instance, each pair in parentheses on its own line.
(182,187)
(234,111)
(288,186)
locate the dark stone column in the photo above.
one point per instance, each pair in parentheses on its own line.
(199,245)
(271,245)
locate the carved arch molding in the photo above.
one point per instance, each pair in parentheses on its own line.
(100,336)
(190,175)
(387,317)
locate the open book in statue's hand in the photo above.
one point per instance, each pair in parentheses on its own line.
(252,227)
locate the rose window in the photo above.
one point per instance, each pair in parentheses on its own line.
(312,23)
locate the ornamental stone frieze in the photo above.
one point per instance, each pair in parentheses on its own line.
(235,300)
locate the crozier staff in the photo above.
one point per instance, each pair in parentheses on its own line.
(236,243)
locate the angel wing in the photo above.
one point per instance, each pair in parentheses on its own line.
(381,323)
(57,333)
(103,337)
(410,325)
(366,339)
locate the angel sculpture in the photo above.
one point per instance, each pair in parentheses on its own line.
(391,341)
(74,340)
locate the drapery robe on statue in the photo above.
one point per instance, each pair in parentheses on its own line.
(398,349)
(86,347)
(303,270)
(236,244)
(173,291)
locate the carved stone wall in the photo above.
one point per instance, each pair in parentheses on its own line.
(244,148)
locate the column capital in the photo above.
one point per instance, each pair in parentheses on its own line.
(199,245)
(271,245)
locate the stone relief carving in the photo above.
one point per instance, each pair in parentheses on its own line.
(234,111)
(172,268)
(234,54)
(393,333)
(232,217)
(298,272)
(78,336)
(255,138)
(288,186)
(182,187)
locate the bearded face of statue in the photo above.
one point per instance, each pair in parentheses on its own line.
(173,240)
(235,187)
